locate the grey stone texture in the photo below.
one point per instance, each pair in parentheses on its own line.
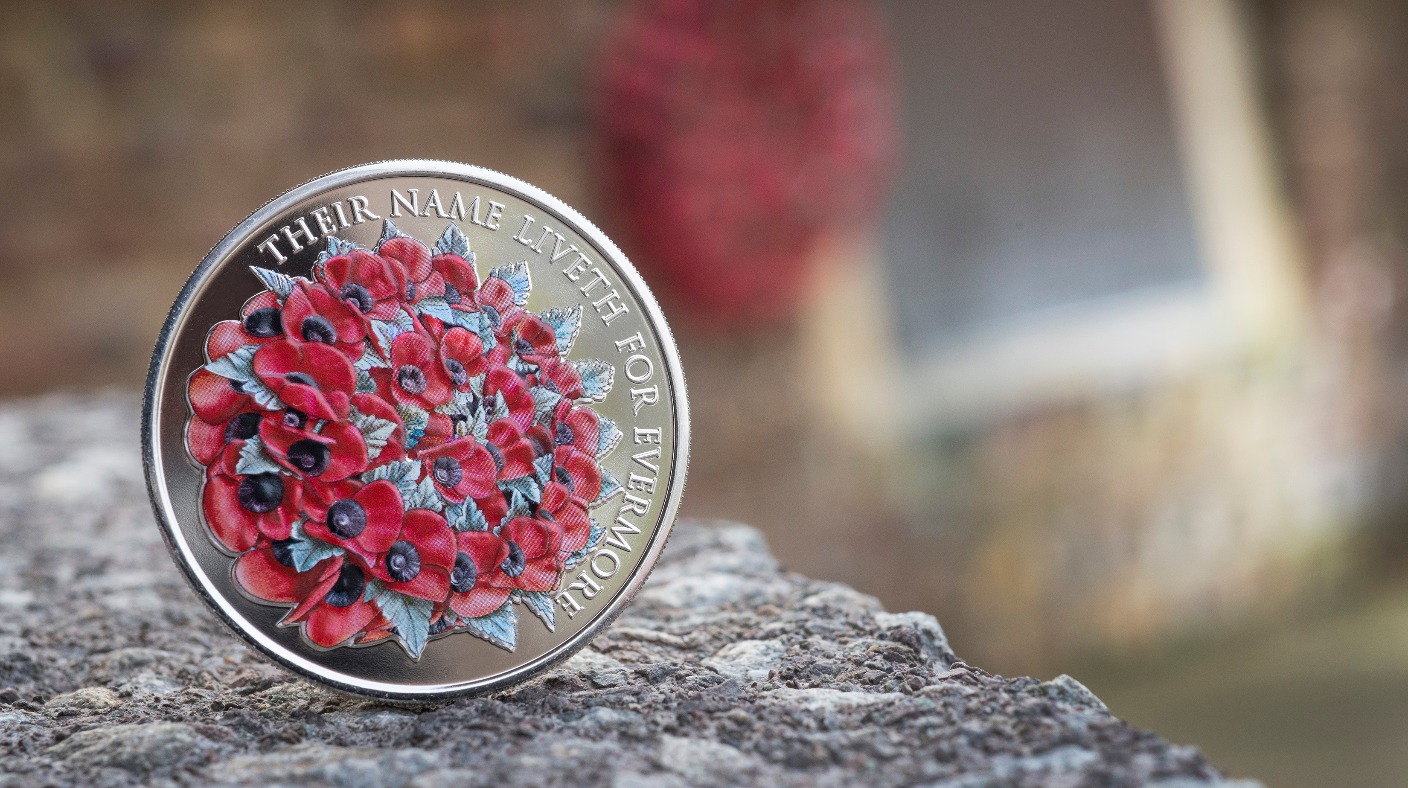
(725,670)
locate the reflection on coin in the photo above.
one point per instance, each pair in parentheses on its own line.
(416,429)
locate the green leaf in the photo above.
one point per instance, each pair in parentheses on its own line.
(542,469)
(517,277)
(410,616)
(281,284)
(306,552)
(389,230)
(499,627)
(498,409)
(424,496)
(370,360)
(336,246)
(544,403)
(525,486)
(437,308)
(565,325)
(375,430)
(597,377)
(238,365)
(452,241)
(415,419)
(365,384)
(253,458)
(479,323)
(608,436)
(465,516)
(610,486)
(402,473)
(386,331)
(541,604)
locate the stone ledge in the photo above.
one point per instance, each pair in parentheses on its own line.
(725,670)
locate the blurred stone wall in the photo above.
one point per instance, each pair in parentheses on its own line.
(1120,521)
(134,136)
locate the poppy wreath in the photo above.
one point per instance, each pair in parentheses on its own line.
(397,449)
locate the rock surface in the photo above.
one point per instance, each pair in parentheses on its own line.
(726,670)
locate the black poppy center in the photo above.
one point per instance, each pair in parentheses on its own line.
(447,471)
(411,379)
(403,561)
(283,552)
(261,492)
(358,294)
(316,328)
(516,562)
(347,519)
(348,588)
(495,319)
(294,419)
(452,294)
(242,427)
(563,477)
(464,575)
(522,346)
(264,323)
(458,374)
(309,456)
(563,435)
(496,454)
(410,291)
(302,378)
(540,442)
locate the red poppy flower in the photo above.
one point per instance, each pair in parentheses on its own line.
(479,554)
(268,574)
(458,280)
(576,426)
(517,396)
(461,468)
(206,440)
(260,322)
(579,472)
(497,295)
(512,452)
(532,338)
(419,561)
(416,376)
(310,377)
(217,399)
(462,354)
(335,453)
(559,375)
(570,514)
(414,258)
(369,279)
(313,313)
(318,495)
(334,610)
(366,524)
(532,560)
(242,510)
(222,413)
(373,405)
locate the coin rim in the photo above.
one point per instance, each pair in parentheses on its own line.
(158,370)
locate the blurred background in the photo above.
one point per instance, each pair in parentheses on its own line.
(1079,324)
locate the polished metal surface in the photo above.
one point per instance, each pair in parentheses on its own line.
(571,263)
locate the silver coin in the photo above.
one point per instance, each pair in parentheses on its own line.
(415,429)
